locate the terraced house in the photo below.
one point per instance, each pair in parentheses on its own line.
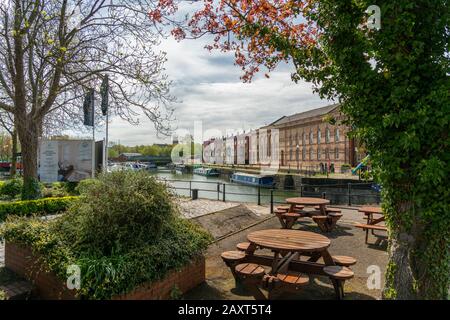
(315,140)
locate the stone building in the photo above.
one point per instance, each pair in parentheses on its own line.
(315,140)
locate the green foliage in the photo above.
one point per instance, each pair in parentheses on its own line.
(394,86)
(11,188)
(46,206)
(3,295)
(31,189)
(84,185)
(152,150)
(126,231)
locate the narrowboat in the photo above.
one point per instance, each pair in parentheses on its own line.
(207,172)
(253,179)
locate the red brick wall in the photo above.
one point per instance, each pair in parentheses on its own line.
(21,260)
(46,285)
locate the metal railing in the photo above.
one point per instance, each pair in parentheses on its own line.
(343,194)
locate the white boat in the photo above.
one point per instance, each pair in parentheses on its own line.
(207,172)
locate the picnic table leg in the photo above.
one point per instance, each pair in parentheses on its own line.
(338,285)
(292,208)
(251,249)
(282,222)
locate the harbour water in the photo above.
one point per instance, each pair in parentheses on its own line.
(213,188)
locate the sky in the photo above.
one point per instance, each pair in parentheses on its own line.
(209,91)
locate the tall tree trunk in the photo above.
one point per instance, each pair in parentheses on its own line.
(28,132)
(14,154)
(418,265)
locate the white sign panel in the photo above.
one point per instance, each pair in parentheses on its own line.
(66,160)
(49,161)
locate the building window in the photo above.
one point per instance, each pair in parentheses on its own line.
(311,137)
(303,139)
(304,154)
(327,135)
(318,154)
(327,154)
(297,154)
(290,141)
(311,154)
(319,136)
(336,135)
(290,154)
(336,153)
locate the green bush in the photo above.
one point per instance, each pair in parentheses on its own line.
(12,188)
(47,206)
(126,231)
(84,185)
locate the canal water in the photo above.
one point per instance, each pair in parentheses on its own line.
(213,188)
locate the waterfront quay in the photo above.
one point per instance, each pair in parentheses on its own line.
(339,191)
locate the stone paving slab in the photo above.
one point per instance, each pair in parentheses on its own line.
(196,208)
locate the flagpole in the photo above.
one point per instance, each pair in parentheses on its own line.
(106,140)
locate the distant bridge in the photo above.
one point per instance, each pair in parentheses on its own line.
(158,160)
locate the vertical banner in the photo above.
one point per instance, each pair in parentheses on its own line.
(104,89)
(88,108)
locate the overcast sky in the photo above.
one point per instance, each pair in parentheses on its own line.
(209,90)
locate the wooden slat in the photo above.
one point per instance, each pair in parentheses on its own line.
(377,210)
(289,240)
(338,272)
(370,226)
(307,201)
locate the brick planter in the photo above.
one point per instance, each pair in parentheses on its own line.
(24,263)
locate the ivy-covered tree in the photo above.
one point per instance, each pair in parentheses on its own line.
(392,81)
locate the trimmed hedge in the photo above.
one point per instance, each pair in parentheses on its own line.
(46,206)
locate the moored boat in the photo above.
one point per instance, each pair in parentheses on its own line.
(253,179)
(207,172)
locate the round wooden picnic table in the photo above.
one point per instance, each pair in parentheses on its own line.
(304,201)
(371,210)
(289,240)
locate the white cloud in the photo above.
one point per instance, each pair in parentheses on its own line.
(208,88)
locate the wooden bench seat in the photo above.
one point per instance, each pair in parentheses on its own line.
(329,210)
(338,275)
(283,208)
(243,246)
(322,222)
(290,219)
(344,261)
(338,272)
(251,275)
(250,270)
(292,215)
(293,280)
(370,226)
(232,256)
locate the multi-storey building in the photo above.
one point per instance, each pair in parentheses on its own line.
(314,140)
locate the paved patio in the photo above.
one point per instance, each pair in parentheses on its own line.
(345,240)
(231,222)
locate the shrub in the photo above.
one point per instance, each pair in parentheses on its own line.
(126,231)
(12,188)
(47,206)
(84,185)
